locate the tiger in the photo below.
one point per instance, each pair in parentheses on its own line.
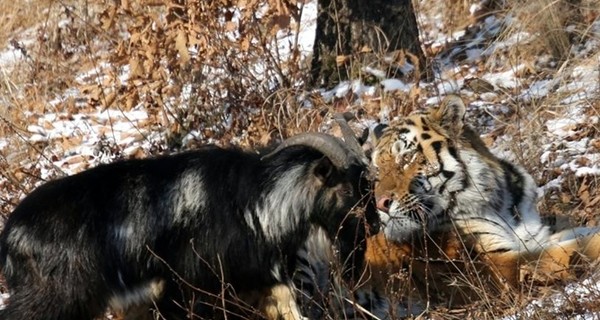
(457,217)
(322,292)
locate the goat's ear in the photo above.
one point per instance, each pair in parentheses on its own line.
(450,114)
(323,169)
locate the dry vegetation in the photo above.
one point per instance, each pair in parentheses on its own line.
(190,66)
(203,69)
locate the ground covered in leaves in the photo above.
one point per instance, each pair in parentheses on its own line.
(84,83)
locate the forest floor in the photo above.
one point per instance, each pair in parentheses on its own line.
(84,83)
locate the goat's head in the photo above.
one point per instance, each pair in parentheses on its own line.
(344,206)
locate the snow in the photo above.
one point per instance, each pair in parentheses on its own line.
(375,72)
(561,147)
(9,57)
(538,90)
(584,292)
(587,171)
(303,40)
(395,84)
(448,86)
(506,79)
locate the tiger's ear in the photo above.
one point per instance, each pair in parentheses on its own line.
(370,139)
(450,114)
(377,132)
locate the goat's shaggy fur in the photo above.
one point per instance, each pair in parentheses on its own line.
(186,232)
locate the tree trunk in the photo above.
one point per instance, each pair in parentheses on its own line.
(347,28)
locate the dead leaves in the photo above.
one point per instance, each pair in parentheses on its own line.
(196,54)
(588,193)
(181,44)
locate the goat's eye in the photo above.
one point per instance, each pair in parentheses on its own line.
(346,192)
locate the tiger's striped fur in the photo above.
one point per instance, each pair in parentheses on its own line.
(435,168)
(458,218)
(323,294)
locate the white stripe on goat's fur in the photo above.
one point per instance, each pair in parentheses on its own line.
(286,199)
(187,196)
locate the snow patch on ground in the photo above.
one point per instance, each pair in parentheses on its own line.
(78,140)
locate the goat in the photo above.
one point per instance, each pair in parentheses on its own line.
(185,232)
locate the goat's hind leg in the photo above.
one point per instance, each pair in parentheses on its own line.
(31,302)
(55,290)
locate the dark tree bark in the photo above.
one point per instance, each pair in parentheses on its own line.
(346,27)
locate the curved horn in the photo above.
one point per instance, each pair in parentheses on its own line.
(329,146)
(349,136)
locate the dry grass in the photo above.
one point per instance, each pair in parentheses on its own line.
(55,43)
(547,19)
(46,44)
(60,40)
(18,17)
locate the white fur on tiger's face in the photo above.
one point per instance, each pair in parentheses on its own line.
(436,174)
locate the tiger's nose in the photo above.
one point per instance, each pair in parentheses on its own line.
(384,203)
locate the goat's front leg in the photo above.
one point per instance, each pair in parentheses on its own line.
(280,304)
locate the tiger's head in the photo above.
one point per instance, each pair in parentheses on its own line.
(418,170)
(448,205)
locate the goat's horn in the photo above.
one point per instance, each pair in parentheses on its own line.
(333,148)
(349,136)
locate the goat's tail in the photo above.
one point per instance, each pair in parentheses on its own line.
(3,254)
